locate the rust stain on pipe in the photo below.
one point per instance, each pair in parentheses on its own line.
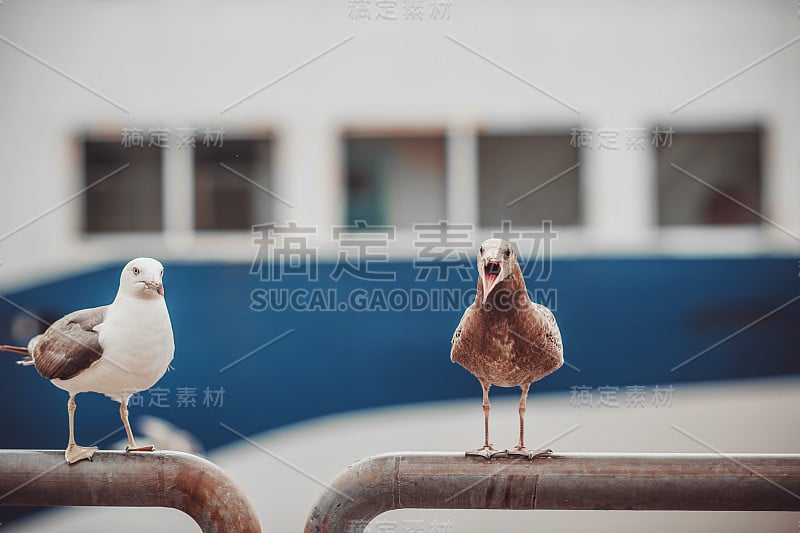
(574,481)
(182,481)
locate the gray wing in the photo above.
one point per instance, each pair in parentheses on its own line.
(70,345)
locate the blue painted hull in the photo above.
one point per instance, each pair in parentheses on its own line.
(624,322)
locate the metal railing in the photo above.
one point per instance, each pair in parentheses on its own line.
(182,481)
(708,482)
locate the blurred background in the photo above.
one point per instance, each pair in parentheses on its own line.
(317,177)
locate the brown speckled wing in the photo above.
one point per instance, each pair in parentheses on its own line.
(70,345)
(551,332)
(456,344)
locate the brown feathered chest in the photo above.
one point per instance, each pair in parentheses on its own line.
(510,340)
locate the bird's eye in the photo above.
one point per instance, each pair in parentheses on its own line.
(507,254)
(136,271)
(481,250)
(162,272)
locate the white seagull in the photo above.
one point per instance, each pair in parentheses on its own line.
(117,350)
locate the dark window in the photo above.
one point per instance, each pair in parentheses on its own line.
(528,178)
(395,180)
(124,190)
(701,175)
(232,185)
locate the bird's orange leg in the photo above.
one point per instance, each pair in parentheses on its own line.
(75,453)
(487,450)
(520,448)
(131,447)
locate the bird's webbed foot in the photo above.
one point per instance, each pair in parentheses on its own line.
(521,451)
(75,453)
(487,452)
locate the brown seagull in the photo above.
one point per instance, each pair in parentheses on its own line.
(504,338)
(116,350)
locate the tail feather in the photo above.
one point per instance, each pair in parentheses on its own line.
(21,350)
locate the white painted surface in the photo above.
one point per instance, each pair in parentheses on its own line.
(178,64)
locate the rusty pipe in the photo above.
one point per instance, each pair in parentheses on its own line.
(182,481)
(680,481)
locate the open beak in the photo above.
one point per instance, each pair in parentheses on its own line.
(491,273)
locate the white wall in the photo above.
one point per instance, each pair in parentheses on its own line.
(178,64)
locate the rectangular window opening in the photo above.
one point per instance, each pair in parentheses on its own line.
(395,180)
(233,184)
(123,187)
(528,178)
(704,177)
